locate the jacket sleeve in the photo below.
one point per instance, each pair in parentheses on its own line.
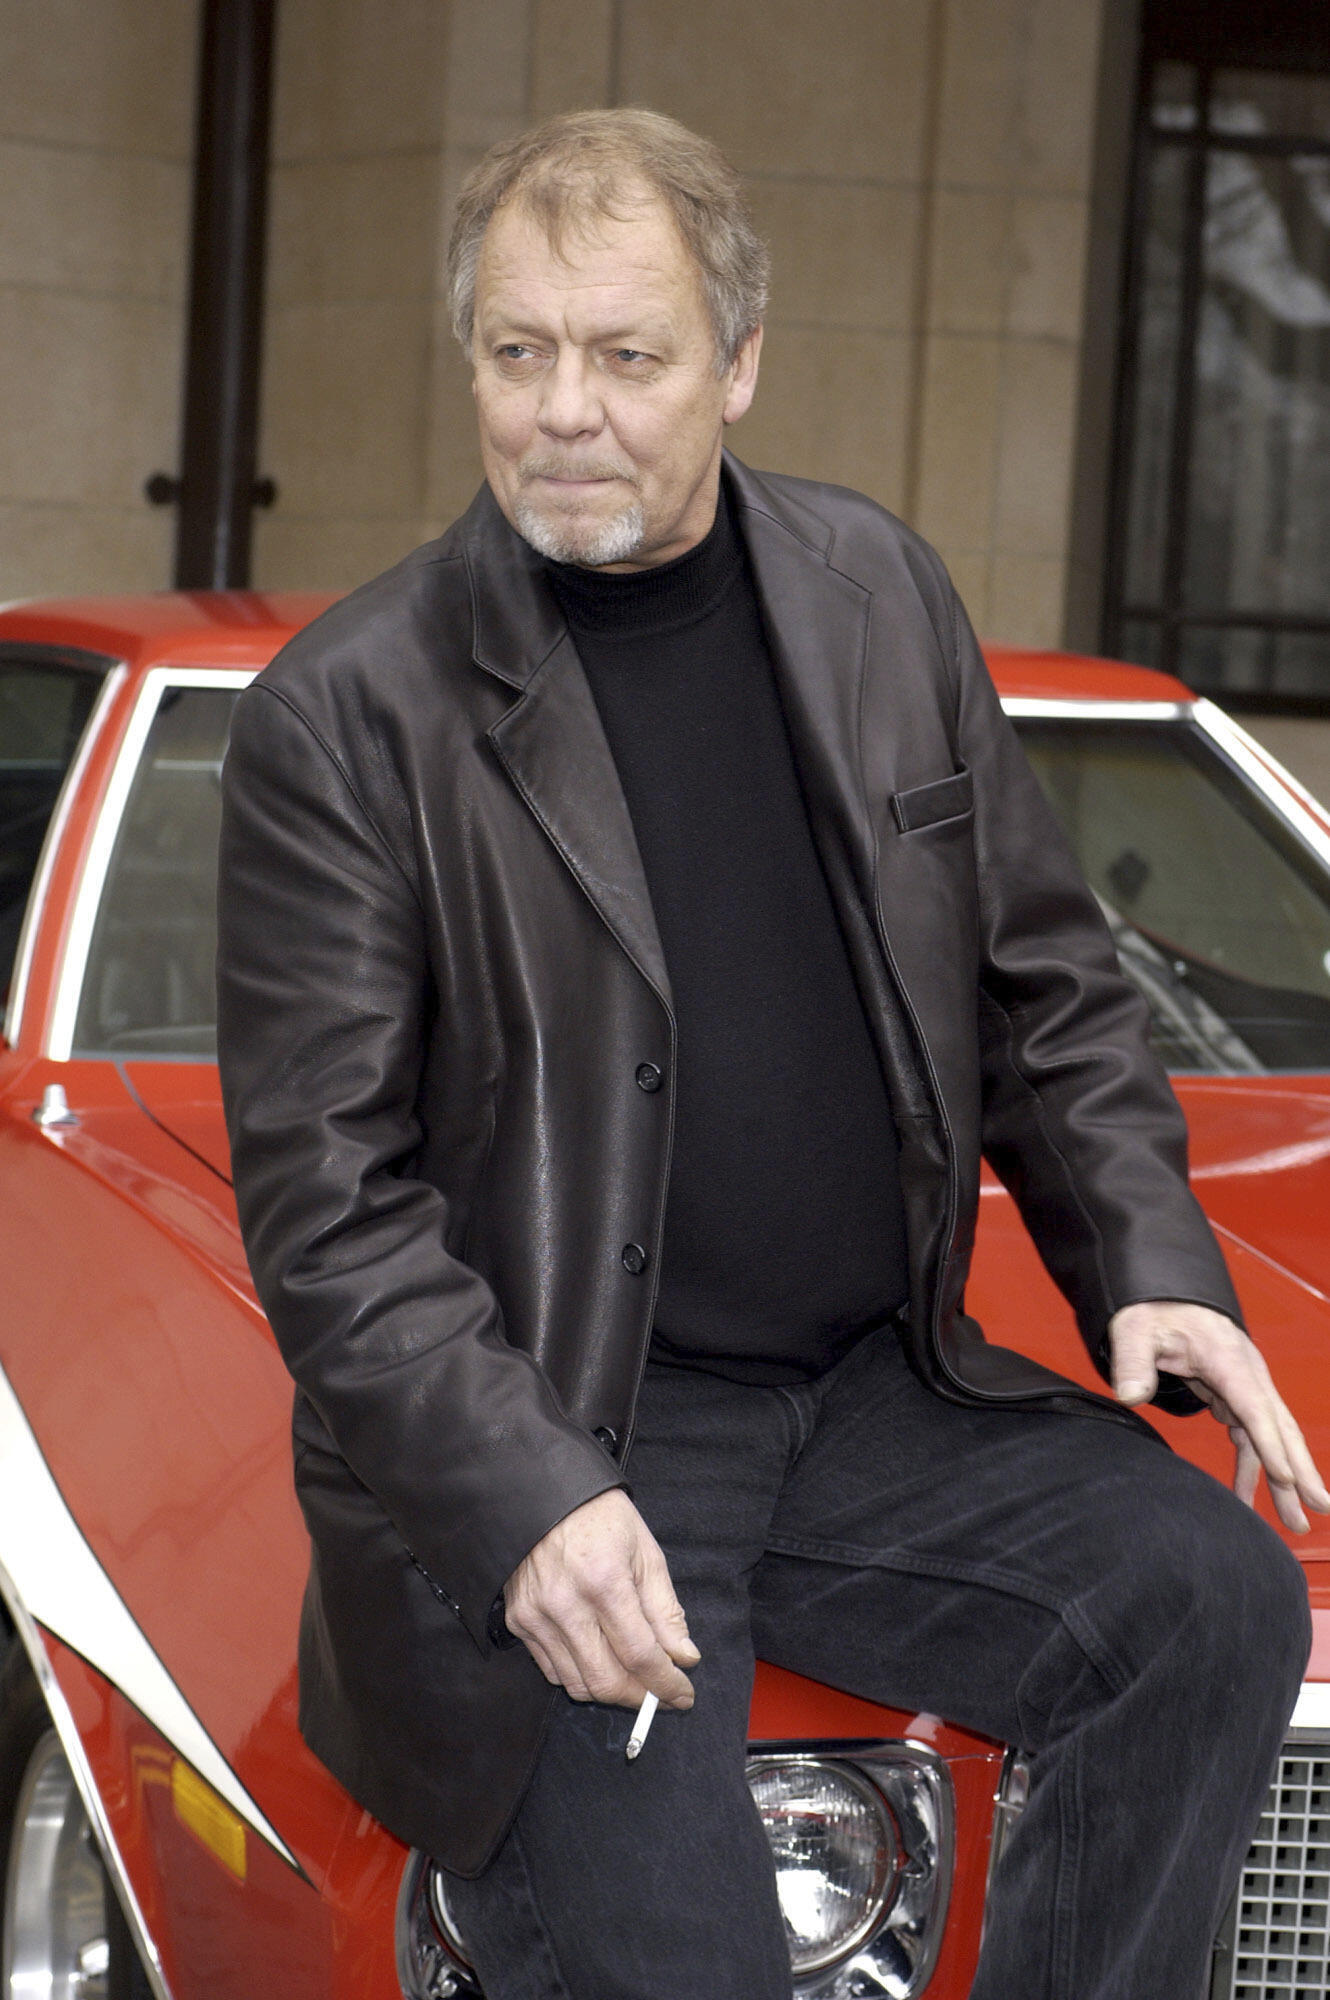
(323,1010)
(1080,1121)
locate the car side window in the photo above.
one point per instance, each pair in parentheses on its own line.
(148,985)
(44,709)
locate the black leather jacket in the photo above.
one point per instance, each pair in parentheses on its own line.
(439,972)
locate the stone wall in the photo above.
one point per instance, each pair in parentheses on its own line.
(924,169)
(96,117)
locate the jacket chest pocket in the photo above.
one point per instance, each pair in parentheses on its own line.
(932,804)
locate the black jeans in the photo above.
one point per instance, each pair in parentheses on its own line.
(1053,1581)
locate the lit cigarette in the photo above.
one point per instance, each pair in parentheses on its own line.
(641,1726)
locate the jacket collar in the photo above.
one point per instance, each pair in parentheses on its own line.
(551,743)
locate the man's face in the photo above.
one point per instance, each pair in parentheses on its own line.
(600,408)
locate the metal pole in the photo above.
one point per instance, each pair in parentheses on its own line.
(217,487)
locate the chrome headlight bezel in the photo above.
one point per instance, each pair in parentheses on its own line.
(890,1955)
(893,1954)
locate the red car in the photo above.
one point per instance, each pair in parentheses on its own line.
(166,1831)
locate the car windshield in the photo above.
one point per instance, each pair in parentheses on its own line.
(148,988)
(1220,915)
(44,706)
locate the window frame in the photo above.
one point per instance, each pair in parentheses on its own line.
(1171,617)
(157,681)
(113,675)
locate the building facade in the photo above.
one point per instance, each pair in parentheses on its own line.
(1051,279)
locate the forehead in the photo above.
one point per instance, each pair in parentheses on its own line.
(631,263)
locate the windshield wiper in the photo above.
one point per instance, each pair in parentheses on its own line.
(1185,1022)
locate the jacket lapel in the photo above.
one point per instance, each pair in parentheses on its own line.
(817,626)
(550,742)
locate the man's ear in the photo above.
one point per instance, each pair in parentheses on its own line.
(743,378)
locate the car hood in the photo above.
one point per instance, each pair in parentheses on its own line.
(1260,1158)
(1260,1165)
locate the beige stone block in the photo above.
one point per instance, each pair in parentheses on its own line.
(358,76)
(842,254)
(1302,743)
(93,222)
(454,468)
(980,91)
(344,408)
(837,88)
(91,397)
(89,73)
(64,550)
(327,554)
(958,440)
(572,55)
(353,229)
(1047,293)
(970,258)
(1036,442)
(831,404)
(1059,92)
(970,571)
(488,77)
(1027,599)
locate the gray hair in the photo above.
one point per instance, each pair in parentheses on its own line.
(581,166)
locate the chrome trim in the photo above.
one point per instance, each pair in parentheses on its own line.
(54,1111)
(81,1772)
(1273,1939)
(69,985)
(27,938)
(55,1580)
(1107,711)
(1278,787)
(431,1963)
(1009,1802)
(1312,1709)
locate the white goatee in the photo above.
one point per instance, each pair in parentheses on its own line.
(613,541)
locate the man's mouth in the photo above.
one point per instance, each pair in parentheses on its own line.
(574,479)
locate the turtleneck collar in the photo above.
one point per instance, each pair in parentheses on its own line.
(632,602)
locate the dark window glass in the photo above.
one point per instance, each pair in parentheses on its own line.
(1258,530)
(1156,378)
(1223,494)
(148,989)
(1256,660)
(1221,917)
(43,711)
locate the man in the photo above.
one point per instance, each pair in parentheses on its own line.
(636,916)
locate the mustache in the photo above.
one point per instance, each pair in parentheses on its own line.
(551,466)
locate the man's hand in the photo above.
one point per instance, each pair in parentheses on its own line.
(1228,1372)
(595,1608)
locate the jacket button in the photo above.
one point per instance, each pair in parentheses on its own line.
(605,1436)
(648,1077)
(634,1259)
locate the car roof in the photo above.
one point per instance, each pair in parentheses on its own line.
(246,627)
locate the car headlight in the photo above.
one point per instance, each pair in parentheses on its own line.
(861,1836)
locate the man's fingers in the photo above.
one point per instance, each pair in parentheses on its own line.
(1247,1470)
(664,1613)
(577,1603)
(643,1653)
(1135,1374)
(1229,1373)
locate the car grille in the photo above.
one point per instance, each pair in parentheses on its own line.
(1275,1944)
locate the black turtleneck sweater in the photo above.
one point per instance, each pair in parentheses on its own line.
(784,1232)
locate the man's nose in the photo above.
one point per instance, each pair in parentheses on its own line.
(570,405)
